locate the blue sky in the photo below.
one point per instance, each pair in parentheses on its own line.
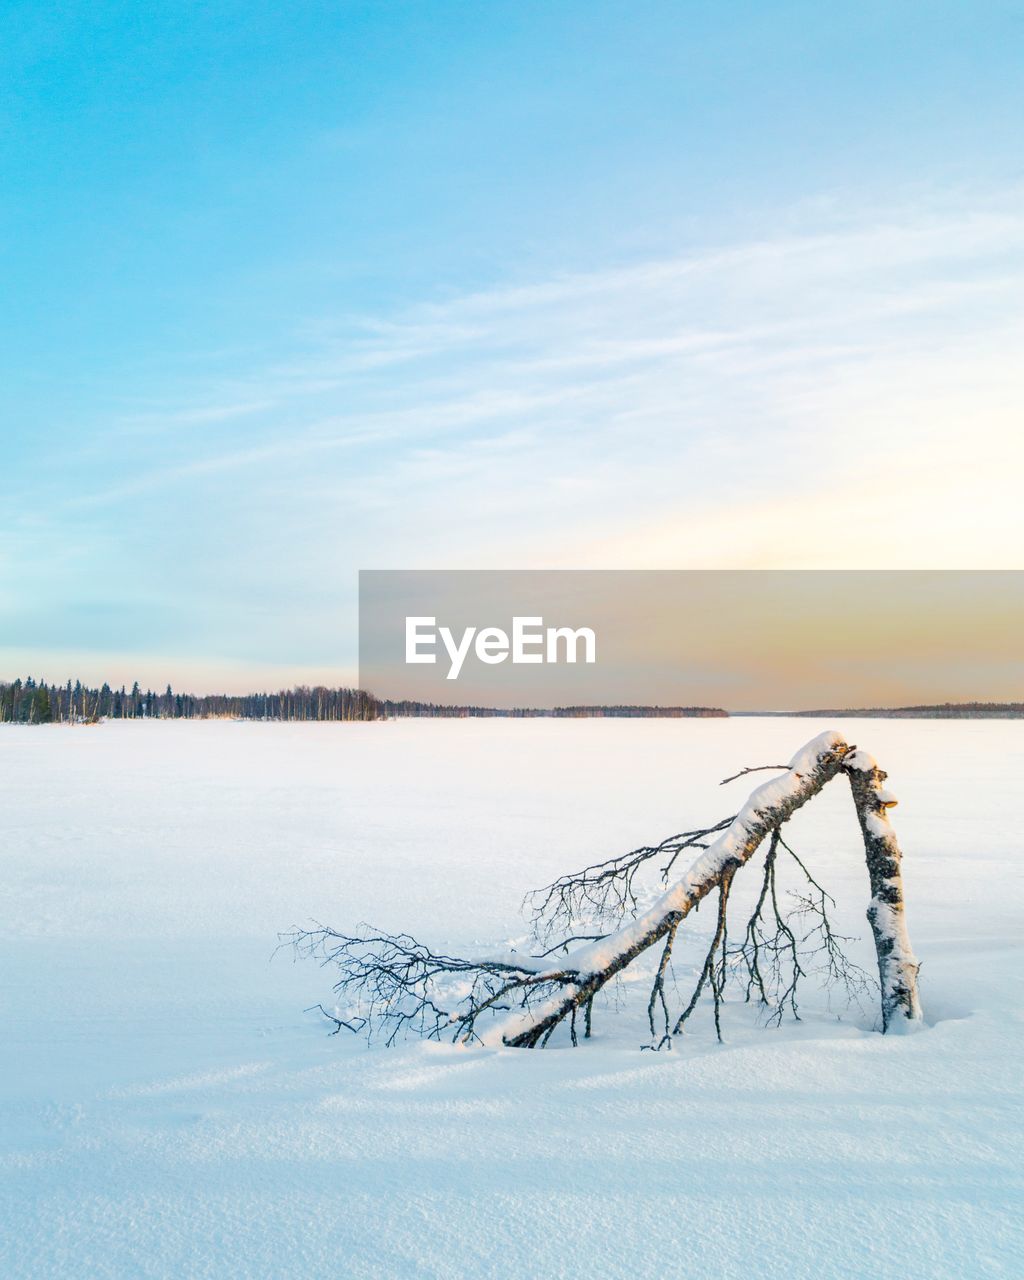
(294,290)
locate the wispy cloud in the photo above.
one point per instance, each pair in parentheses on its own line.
(814,397)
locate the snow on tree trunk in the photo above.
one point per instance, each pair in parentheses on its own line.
(768,806)
(897,964)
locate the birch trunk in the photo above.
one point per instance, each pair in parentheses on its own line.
(897,964)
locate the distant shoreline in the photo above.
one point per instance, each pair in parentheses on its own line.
(928,711)
(32,702)
(29,702)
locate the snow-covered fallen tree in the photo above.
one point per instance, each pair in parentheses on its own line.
(592,925)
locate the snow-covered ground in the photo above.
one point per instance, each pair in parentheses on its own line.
(169,1110)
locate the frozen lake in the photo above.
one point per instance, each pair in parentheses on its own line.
(169,1110)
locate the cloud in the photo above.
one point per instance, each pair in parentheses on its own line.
(839,395)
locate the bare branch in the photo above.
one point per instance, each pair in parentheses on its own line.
(391,984)
(755,768)
(710,971)
(658,996)
(606,891)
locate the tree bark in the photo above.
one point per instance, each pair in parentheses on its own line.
(897,965)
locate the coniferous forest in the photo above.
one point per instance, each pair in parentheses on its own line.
(29,702)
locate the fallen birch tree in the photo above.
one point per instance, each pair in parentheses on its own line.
(389,984)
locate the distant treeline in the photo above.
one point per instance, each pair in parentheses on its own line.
(29,702)
(937,711)
(442,711)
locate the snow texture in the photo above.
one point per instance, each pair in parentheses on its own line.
(167,1109)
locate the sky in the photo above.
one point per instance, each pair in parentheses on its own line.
(297,290)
